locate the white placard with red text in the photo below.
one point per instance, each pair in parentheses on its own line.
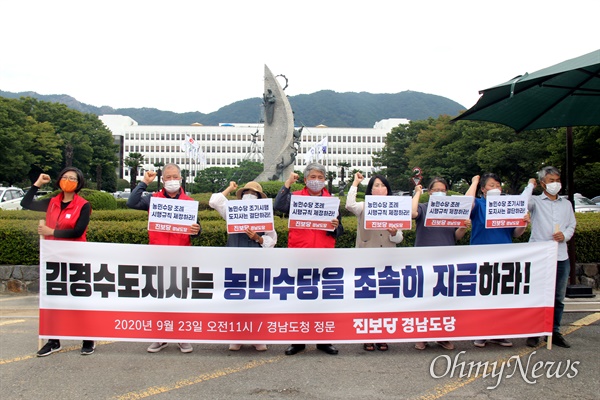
(172,215)
(505,211)
(254,214)
(313,212)
(448,211)
(107,291)
(384,212)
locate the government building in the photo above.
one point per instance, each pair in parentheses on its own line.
(228,144)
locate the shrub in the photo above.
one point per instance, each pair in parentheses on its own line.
(99,200)
(19,242)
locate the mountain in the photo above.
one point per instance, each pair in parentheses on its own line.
(354,110)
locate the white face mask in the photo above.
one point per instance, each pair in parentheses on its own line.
(438,193)
(315,185)
(553,188)
(493,192)
(172,186)
(249,196)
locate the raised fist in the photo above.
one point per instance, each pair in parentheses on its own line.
(42,180)
(149,177)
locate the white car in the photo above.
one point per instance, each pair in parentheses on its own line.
(583,204)
(10,198)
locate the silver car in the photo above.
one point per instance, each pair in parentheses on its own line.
(10,198)
(585,205)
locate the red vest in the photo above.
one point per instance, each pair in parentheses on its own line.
(167,238)
(67,218)
(310,238)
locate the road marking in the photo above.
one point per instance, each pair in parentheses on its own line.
(63,350)
(10,298)
(11,321)
(197,379)
(442,390)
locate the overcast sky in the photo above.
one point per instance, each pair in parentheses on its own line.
(202,55)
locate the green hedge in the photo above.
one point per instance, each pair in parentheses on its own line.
(19,242)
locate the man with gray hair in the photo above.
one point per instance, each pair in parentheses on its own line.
(171,190)
(552,218)
(314,181)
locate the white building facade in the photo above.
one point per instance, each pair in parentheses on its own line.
(228,144)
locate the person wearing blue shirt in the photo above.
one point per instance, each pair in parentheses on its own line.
(490,185)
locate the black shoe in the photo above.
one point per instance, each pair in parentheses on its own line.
(327,348)
(52,346)
(295,348)
(559,340)
(87,347)
(532,341)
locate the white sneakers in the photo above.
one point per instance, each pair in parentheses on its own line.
(185,347)
(258,347)
(158,346)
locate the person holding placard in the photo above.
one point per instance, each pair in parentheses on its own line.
(67,218)
(249,238)
(377,186)
(490,185)
(552,218)
(314,181)
(172,190)
(436,236)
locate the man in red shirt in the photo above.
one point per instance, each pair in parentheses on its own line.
(314,181)
(171,190)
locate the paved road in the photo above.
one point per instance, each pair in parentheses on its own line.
(124,370)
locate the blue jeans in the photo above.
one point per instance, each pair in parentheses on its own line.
(563,269)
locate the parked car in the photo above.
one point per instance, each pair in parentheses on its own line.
(596,200)
(10,198)
(584,205)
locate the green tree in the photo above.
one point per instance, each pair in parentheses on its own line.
(393,155)
(446,149)
(158,165)
(15,139)
(246,171)
(213,179)
(513,156)
(133,161)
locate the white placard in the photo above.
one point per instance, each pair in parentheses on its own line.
(313,212)
(505,211)
(254,214)
(385,212)
(448,211)
(172,215)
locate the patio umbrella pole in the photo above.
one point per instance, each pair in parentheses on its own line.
(571,195)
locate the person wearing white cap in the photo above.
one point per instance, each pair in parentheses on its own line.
(251,191)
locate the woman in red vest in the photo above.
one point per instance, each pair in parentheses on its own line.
(67,218)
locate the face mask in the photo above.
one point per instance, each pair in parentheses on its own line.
(249,196)
(315,186)
(553,188)
(68,186)
(493,192)
(172,186)
(438,193)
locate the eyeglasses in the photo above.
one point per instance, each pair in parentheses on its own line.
(69,178)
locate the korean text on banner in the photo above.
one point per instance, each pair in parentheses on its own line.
(254,214)
(385,212)
(450,211)
(172,215)
(142,293)
(505,211)
(313,212)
